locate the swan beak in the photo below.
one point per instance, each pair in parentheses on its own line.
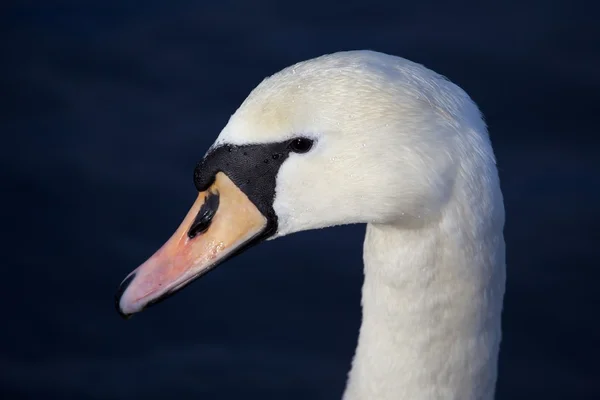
(221,223)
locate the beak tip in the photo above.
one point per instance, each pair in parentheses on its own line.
(118,296)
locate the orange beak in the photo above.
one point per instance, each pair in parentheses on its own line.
(221,222)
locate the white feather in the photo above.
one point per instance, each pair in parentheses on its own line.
(404,150)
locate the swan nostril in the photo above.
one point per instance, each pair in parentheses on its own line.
(205,215)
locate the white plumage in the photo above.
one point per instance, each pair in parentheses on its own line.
(406,151)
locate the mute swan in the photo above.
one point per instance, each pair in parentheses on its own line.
(363,137)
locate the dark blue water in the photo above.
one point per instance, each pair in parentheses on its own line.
(106,109)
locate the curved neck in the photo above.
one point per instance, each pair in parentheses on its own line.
(431,301)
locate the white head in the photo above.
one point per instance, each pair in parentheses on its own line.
(388,139)
(391,144)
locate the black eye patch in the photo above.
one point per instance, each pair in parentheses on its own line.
(253,168)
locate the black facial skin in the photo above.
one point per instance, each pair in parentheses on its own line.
(253,169)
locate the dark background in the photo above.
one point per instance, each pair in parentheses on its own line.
(108,105)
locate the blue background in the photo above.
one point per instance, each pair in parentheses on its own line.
(107,106)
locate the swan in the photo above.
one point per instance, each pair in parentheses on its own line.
(362,137)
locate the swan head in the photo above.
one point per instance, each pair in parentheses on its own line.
(353,137)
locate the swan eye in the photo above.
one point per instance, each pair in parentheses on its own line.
(301,145)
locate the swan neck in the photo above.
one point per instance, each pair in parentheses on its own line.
(431,304)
